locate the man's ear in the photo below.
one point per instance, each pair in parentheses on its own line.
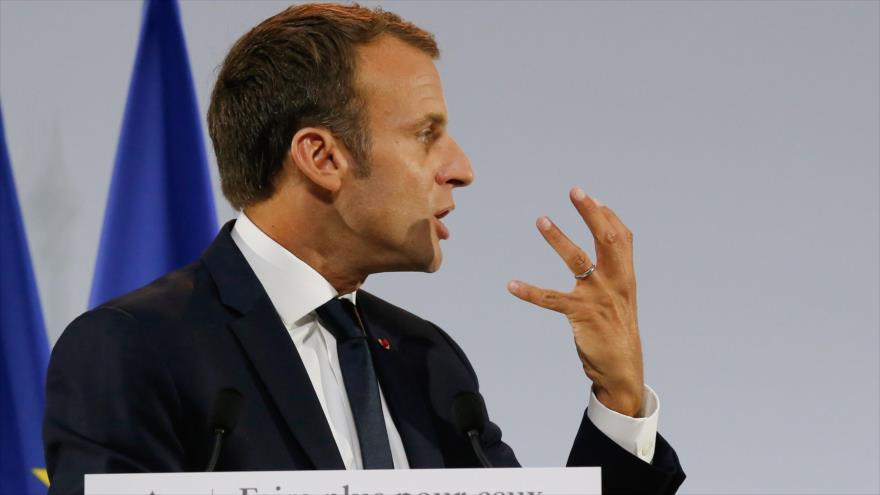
(318,155)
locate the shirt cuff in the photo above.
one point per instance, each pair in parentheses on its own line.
(637,436)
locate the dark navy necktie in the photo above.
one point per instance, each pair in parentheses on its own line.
(340,318)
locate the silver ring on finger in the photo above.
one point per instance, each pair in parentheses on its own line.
(586,274)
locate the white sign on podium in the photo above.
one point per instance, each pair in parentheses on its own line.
(501,481)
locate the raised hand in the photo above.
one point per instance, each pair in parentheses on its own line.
(602,306)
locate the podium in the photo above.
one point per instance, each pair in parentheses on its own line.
(500,481)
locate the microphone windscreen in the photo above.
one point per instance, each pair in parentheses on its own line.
(227,409)
(469,412)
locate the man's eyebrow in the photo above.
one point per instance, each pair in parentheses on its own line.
(437,119)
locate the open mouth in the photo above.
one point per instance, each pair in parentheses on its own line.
(442,230)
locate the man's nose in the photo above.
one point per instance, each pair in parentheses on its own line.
(458,171)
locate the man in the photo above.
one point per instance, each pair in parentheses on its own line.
(329,126)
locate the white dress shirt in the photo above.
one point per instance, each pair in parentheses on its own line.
(297,290)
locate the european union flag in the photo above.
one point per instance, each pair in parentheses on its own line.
(160,213)
(24,350)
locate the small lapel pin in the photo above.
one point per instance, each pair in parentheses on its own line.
(385,343)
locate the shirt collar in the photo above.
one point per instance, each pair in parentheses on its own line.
(295,288)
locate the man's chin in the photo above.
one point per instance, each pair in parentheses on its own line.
(435,263)
(419,261)
(436,256)
(421,252)
(429,262)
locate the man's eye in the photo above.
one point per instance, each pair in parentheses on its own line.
(426,135)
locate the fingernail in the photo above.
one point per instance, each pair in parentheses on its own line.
(513,286)
(598,203)
(579,193)
(544,223)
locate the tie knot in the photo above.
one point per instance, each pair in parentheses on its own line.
(340,318)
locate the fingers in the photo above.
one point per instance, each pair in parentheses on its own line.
(623,253)
(613,239)
(545,298)
(591,212)
(618,224)
(575,258)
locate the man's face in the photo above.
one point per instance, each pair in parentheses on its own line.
(414,162)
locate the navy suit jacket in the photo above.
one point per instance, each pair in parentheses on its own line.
(131,385)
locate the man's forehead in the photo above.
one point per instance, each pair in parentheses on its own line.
(390,69)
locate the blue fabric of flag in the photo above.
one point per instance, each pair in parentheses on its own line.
(160,212)
(24,349)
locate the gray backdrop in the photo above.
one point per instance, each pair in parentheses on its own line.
(739,141)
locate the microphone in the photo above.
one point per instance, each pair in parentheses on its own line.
(470,417)
(227,409)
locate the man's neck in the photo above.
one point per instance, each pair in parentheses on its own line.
(297,234)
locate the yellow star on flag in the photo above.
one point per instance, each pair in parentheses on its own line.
(42,475)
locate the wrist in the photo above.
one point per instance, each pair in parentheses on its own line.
(628,403)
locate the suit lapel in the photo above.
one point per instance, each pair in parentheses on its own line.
(268,346)
(270,349)
(406,401)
